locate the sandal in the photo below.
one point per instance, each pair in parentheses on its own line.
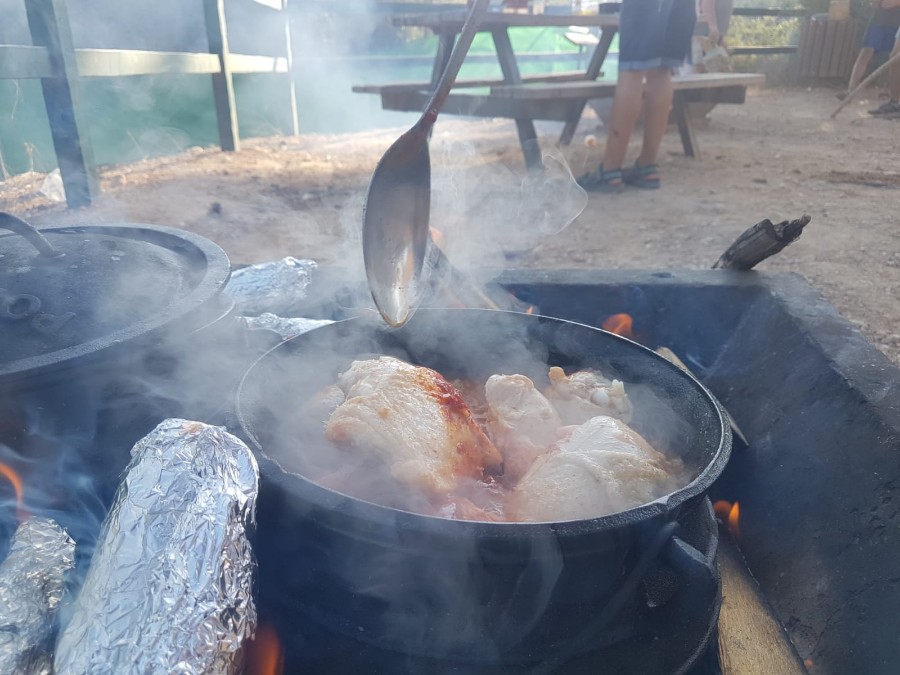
(646,177)
(610,182)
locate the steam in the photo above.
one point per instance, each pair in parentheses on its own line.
(489,212)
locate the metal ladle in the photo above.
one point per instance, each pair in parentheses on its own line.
(395,232)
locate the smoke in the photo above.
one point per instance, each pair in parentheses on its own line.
(489,212)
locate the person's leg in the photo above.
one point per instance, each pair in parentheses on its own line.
(894,83)
(892,106)
(656,114)
(625,110)
(860,67)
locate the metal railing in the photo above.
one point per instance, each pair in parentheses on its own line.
(59,66)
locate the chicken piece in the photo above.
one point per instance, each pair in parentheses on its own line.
(414,420)
(580,396)
(323,403)
(461,508)
(603,467)
(521,421)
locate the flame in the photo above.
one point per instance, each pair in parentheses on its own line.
(730,514)
(7,472)
(620,324)
(437,236)
(264,653)
(530,309)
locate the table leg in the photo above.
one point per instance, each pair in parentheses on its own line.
(685,128)
(445,47)
(531,150)
(592,73)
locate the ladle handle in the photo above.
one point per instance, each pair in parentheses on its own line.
(34,237)
(457,56)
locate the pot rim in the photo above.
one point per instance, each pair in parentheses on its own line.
(378,514)
(216,274)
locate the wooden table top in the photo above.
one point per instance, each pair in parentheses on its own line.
(452,21)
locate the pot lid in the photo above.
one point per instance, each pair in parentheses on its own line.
(69,292)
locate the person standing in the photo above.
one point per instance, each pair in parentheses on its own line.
(654,39)
(891,107)
(713,21)
(879,39)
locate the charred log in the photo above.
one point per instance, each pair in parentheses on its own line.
(759,242)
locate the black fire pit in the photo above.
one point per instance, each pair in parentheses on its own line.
(818,484)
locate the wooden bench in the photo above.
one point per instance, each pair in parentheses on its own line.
(693,88)
(562,97)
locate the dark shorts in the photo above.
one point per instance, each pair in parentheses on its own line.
(880,38)
(655,33)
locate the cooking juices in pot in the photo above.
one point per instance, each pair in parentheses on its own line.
(501,448)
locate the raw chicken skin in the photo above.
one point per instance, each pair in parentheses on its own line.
(603,467)
(521,421)
(580,396)
(414,420)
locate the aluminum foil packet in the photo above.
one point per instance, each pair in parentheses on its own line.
(286,328)
(278,286)
(32,583)
(169,589)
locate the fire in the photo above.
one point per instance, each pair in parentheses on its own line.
(7,472)
(620,324)
(437,236)
(264,653)
(730,514)
(530,309)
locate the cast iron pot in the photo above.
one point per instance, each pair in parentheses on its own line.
(100,327)
(512,593)
(69,295)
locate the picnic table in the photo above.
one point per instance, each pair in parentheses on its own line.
(559,96)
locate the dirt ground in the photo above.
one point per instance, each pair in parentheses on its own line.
(778,156)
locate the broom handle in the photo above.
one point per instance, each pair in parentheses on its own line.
(894,59)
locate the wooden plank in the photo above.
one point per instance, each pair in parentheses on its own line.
(118,63)
(846,46)
(271,4)
(567,76)
(223,83)
(733,95)
(247,64)
(23,63)
(453,21)
(803,49)
(587,90)
(480,105)
(751,639)
(816,52)
(762,50)
(851,49)
(49,26)
(840,39)
(827,50)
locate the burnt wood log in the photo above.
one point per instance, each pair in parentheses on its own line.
(752,640)
(759,242)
